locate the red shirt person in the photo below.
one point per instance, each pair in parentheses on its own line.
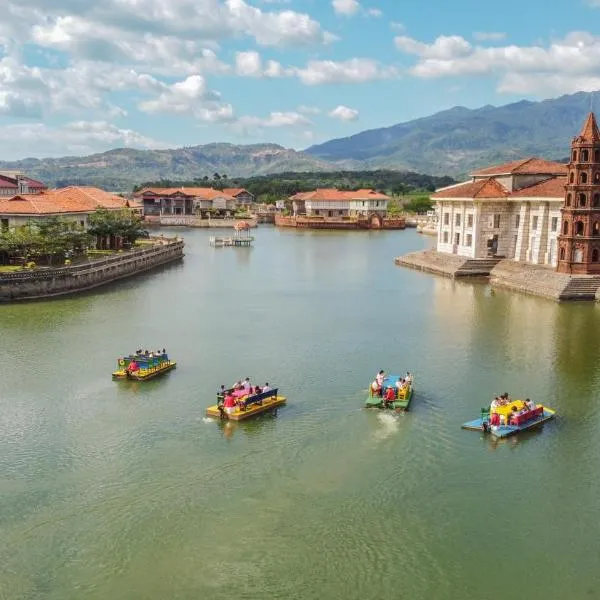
(132,367)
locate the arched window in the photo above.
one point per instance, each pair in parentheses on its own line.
(574,155)
(583,177)
(595,255)
(562,254)
(579,228)
(571,177)
(596,177)
(582,199)
(596,200)
(585,156)
(566,228)
(568,199)
(596,155)
(596,228)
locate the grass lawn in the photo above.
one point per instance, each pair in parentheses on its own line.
(9,268)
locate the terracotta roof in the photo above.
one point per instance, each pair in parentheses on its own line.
(526,166)
(61,201)
(12,182)
(590,132)
(333,195)
(235,191)
(554,187)
(481,188)
(190,192)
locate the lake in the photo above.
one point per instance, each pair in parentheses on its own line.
(124,490)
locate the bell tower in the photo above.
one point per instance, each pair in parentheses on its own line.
(579,239)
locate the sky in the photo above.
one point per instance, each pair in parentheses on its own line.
(83,76)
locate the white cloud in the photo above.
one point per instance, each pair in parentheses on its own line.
(374,12)
(354,70)
(489,36)
(79,137)
(250,64)
(343,113)
(345,7)
(275,119)
(566,65)
(397,26)
(190,97)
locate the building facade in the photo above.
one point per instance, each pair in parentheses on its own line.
(511,211)
(71,203)
(340,204)
(15,182)
(199,202)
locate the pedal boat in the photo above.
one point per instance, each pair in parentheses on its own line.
(247,406)
(501,422)
(149,367)
(403,397)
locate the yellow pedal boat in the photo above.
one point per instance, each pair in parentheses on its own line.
(247,406)
(142,367)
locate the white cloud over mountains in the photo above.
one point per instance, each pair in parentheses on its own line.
(566,65)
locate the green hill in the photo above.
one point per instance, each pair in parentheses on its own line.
(455,141)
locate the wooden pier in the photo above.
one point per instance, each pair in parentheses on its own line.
(221,242)
(241,237)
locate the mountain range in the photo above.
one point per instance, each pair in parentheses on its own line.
(452,142)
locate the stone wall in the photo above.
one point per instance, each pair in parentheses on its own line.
(432,261)
(45,283)
(193,221)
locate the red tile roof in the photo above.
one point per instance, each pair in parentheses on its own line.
(590,132)
(554,187)
(335,195)
(235,191)
(189,192)
(526,166)
(61,201)
(481,188)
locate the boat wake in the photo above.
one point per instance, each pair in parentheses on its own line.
(207,420)
(389,424)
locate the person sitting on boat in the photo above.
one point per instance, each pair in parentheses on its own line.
(132,367)
(408,378)
(267,388)
(495,404)
(229,403)
(400,384)
(379,378)
(246,384)
(237,385)
(529,404)
(257,390)
(390,395)
(375,389)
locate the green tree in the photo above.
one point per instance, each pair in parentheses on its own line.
(114,227)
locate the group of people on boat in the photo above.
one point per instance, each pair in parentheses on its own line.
(229,399)
(144,355)
(517,409)
(390,392)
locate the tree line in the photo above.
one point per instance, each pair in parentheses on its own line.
(269,188)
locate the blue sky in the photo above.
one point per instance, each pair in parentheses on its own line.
(78,77)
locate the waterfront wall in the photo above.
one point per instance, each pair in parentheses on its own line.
(45,283)
(304,222)
(193,221)
(535,280)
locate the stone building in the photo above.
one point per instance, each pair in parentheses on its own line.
(193,201)
(533,210)
(73,203)
(337,203)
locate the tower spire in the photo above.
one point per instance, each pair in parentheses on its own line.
(590,132)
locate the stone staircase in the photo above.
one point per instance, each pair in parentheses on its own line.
(477,267)
(581,288)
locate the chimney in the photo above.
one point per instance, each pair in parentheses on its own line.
(22,186)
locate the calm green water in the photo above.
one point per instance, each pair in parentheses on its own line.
(125,491)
